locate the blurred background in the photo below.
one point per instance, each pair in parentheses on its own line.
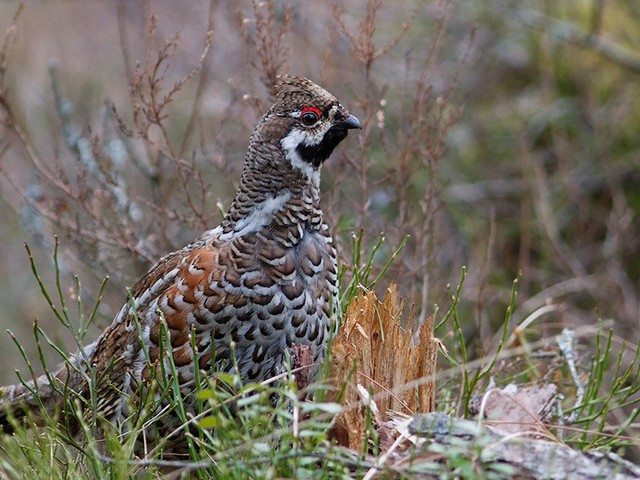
(501,136)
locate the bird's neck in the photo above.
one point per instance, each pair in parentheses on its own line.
(275,202)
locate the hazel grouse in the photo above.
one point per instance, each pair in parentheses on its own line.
(262,282)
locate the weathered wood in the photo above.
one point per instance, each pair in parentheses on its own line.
(530,458)
(379,350)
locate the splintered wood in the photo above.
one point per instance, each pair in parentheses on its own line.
(374,353)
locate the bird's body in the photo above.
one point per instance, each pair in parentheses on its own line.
(262,282)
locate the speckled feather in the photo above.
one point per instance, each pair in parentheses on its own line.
(262,282)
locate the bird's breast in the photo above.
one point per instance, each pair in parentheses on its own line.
(247,301)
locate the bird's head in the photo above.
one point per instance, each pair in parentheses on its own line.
(307,121)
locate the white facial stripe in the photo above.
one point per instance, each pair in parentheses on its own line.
(289,144)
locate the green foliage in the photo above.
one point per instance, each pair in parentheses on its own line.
(612,391)
(472,375)
(365,269)
(600,390)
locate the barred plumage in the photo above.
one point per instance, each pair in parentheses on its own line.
(263,281)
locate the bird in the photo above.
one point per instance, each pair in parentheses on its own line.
(240,297)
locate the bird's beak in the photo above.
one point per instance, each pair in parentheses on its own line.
(351,122)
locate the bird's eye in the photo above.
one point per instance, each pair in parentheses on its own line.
(309,116)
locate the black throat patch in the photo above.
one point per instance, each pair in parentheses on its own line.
(316,154)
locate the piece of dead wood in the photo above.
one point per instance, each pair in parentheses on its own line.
(375,351)
(515,409)
(302,365)
(529,458)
